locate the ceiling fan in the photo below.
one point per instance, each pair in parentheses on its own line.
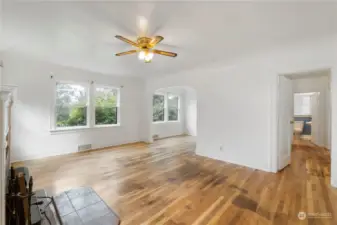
(145,47)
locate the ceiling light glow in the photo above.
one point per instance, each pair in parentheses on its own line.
(149,56)
(145,55)
(141,55)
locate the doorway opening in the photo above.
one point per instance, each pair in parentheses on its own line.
(304,115)
(174,112)
(305,112)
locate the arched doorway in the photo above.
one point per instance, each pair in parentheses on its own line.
(174,112)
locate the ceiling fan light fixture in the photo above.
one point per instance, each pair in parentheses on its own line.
(148,56)
(141,55)
(145,47)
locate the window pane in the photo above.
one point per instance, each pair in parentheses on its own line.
(106,106)
(71,105)
(302,104)
(306,105)
(172,100)
(173,107)
(173,114)
(158,108)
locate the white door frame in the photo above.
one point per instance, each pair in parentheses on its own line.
(278,151)
(275,155)
(315,110)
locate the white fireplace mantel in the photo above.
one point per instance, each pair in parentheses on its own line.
(6,100)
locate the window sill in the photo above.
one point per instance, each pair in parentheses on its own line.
(303,115)
(106,126)
(81,129)
(159,122)
(162,122)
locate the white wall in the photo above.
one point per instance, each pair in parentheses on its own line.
(229,113)
(318,83)
(32,109)
(172,128)
(168,129)
(191,112)
(237,101)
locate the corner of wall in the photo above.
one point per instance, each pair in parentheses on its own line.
(273,170)
(199,152)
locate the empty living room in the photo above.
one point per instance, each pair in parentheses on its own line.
(168,112)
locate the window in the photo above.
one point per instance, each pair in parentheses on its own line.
(165,107)
(106,105)
(158,108)
(173,107)
(71,107)
(84,106)
(306,105)
(302,104)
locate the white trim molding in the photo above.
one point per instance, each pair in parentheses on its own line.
(90,89)
(6,100)
(166,108)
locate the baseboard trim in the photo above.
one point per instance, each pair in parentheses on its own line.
(179,135)
(114,147)
(248,166)
(107,148)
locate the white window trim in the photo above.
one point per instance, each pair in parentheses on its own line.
(165,106)
(93,123)
(90,86)
(175,95)
(166,120)
(53,115)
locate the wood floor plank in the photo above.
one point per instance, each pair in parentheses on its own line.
(166,183)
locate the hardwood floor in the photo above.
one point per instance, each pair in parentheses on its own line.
(166,183)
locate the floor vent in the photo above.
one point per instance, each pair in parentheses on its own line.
(155,137)
(84,147)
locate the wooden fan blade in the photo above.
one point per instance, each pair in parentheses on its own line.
(126,40)
(126,53)
(160,52)
(156,40)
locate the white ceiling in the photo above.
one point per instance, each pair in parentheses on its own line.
(81,35)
